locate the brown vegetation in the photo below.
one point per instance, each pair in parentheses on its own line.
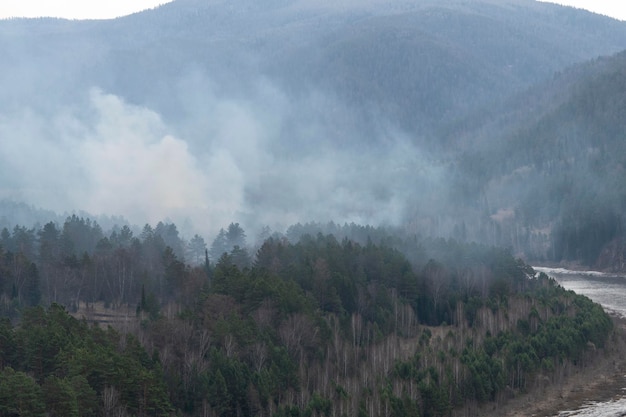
(99,313)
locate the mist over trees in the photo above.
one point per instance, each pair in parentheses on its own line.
(276,114)
(326,206)
(310,325)
(561,178)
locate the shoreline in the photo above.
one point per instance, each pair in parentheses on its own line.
(603,379)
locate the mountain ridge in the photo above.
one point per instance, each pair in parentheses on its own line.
(257,101)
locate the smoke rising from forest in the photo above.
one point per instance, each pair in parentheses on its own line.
(261,160)
(410,114)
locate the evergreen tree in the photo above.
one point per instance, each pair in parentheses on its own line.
(33,291)
(169,234)
(219,246)
(196,250)
(20,395)
(49,245)
(60,398)
(235,236)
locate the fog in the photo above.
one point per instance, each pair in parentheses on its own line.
(229,159)
(203,114)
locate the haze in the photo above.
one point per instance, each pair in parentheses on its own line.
(108,9)
(283,112)
(612,8)
(75,9)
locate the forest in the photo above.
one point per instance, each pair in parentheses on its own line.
(495,122)
(361,322)
(476,136)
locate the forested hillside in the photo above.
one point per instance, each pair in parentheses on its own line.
(443,118)
(556,173)
(473,136)
(308,326)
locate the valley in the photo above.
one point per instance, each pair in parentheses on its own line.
(312,208)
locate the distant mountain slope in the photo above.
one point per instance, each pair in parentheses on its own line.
(425,66)
(419,64)
(282,111)
(556,155)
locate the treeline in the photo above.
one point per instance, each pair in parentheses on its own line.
(310,325)
(78,262)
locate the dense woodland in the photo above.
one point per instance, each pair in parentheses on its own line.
(456,121)
(562,177)
(496,122)
(310,325)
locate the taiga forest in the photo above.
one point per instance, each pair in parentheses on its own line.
(306,208)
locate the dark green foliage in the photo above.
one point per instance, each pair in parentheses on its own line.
(79,235)
(486,376)
(318,406)
(61,399)
(73,365)
(49,245)
(336,273)
(259,335)
(33,292)
(434,398)
(20,395)
(86,397)
(233,241)
(148,304)
(7,343)
(176,273)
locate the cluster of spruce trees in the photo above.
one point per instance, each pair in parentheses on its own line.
(53,364)
(371,324)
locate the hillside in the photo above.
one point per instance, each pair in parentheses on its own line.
(466,135)
(308,327)
(557,166)
(236,111)
(416,65)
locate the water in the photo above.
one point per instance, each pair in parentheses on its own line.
(616,408)
(608,290)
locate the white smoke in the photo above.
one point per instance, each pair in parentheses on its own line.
(230,160)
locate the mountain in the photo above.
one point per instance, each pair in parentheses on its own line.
(416,63)
(208,112)
(491,121)
(553,159)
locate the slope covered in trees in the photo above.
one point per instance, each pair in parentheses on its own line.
(556,171)
(53,364)
(249,103)
(303,111)
(310,326)
(418,63)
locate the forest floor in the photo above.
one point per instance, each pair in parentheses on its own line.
(603,379)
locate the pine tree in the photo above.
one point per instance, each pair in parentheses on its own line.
(33,290)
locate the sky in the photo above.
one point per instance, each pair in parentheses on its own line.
(75,9)
(613,8)
(107,9)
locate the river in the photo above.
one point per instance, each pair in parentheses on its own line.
(608,290)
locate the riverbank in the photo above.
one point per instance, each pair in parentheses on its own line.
(602,379)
